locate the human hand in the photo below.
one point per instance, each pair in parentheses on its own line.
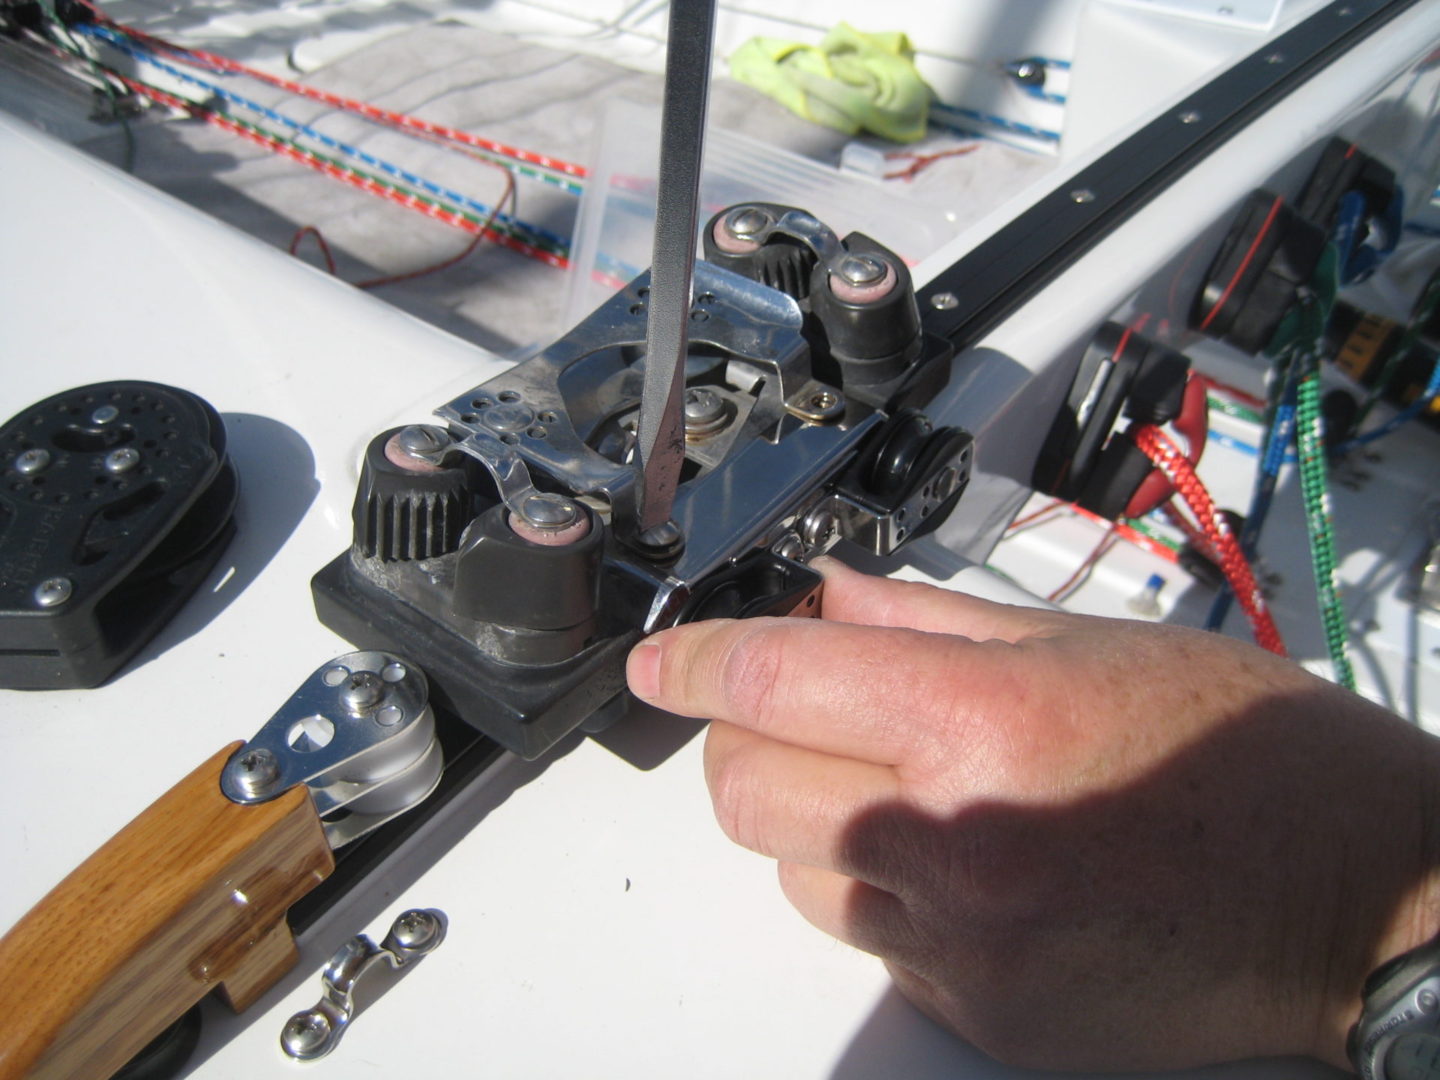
(1077,842)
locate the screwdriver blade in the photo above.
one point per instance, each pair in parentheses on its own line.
(661,441)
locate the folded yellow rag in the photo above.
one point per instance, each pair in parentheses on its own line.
(851,81)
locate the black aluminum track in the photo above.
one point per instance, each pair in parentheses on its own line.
(1009,268)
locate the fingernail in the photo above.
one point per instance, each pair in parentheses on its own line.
(643,671)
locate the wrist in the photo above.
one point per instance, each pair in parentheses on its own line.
(1412,879)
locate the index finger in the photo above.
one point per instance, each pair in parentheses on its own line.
(855,597)
(881,694)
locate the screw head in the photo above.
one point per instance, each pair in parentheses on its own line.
(362,691)
(747,222)
(663,541)
(700,402)
(1027,72)
(414,929)
(508,417)
(944,301)
(1427,1000)
(1082,196)
(305,1034)
(105,414)
(703,409)
(862,269)
(790,546)
(819,527)
(32,461)
(420,440)
(52,592)
(546,511)
(256,770)
(1190,116)
(122,460)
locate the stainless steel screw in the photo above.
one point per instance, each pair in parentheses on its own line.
(362,690)
(305,1034)
(1082,196)
(414,929)
(546,511)
(944,301)
(790,546)
(861,269)
(1189,116)
(508,417)
(702,408)
(256,770)
(747,222)
(419,440)
(818,526)
(104,414)
(1029,72)
(52,592)
(32,461)
(663,537)
(122,460)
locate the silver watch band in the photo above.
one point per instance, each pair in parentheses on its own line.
(1398,1034)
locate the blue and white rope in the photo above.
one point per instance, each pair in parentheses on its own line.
(116,41)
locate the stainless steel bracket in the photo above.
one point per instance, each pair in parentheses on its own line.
(358,733)
(506,467)
(315,1032)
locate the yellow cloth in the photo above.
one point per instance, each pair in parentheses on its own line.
(851,81)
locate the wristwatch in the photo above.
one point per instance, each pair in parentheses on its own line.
(1398,1034)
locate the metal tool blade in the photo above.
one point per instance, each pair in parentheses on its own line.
(661,445)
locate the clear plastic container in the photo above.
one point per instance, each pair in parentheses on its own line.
(614,232)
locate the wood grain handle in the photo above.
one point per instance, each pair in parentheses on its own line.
(189,897)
